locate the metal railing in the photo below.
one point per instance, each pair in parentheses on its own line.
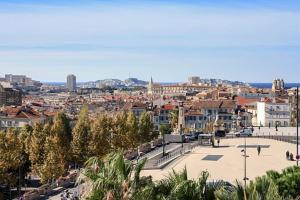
(176,153)
(280,136)
(152,153)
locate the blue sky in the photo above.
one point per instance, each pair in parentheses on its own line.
(252,41)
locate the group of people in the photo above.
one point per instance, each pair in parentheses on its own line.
(289,156)
(66,195)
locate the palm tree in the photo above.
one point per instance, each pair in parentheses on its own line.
(178,186)
(263,188)
(111,178)
(237,194)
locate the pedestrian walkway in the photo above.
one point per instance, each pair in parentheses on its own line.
(230,166)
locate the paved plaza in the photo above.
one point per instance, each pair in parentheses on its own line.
(227,162)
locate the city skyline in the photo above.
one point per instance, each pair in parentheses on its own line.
(253,41)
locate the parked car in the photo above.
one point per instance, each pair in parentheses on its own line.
(246,132)
(190,137)
(220,133)
(145,148)
(158,142)
(197,134)
(131,154)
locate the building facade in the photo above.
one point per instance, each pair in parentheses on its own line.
(9,96)
(176,89)
(278,85)
(194,80)
(71,83)
(293,106)
(273,113)
(17,117)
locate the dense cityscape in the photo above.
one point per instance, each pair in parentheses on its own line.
(52,134)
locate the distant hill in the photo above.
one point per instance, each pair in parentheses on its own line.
(110,82)
(130,82)
(115,83)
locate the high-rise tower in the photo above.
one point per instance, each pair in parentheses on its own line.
(71,83)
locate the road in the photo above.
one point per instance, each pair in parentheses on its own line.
(71,191)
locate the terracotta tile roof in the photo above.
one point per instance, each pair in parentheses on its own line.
(168,107)
(230,104)
(193,112)
(277,100)
(21,112)
(130,105)
(245,101)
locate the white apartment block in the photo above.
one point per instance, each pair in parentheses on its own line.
(273,113)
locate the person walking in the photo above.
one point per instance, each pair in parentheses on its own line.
(287,154)
(291,157)
(258,149)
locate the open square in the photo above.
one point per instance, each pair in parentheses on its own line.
(231,166)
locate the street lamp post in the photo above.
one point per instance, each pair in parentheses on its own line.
(163,137)
(245,167)
(182,136)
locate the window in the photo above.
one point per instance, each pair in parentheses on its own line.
(278,108)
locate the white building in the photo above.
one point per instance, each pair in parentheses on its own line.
(71,82)
(20,79)
(273,112)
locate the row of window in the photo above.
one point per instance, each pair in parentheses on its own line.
(163,118)
(283,116)
(200,118)
(210,112)
(278,108)
(8,123)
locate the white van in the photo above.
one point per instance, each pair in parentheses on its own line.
(246,132)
